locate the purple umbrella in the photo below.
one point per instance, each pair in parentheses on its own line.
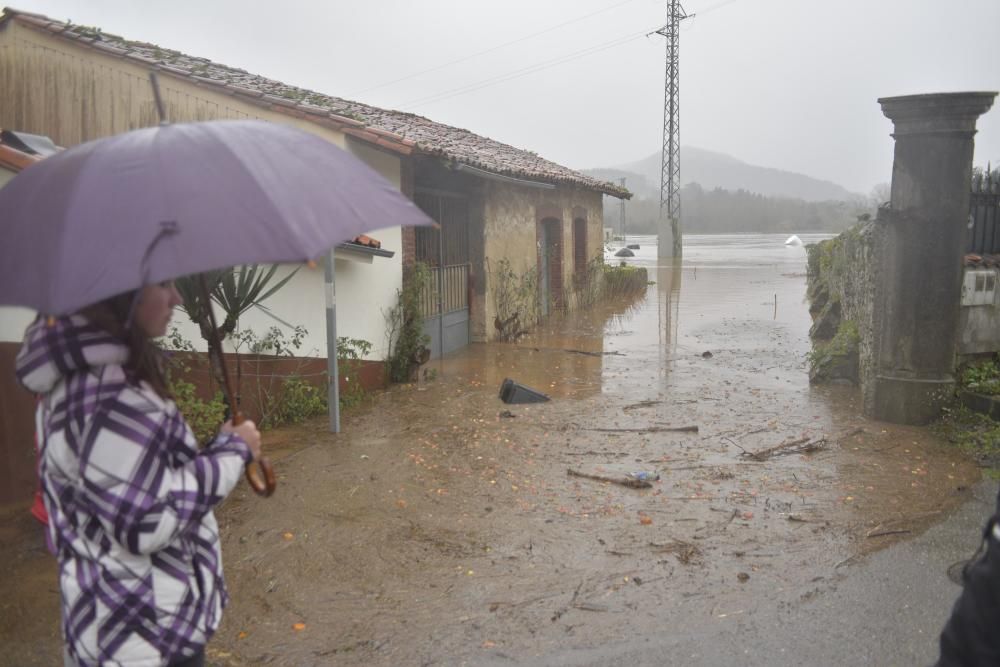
(146,206)
(112,215)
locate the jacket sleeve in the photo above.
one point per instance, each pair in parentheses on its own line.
(142,497)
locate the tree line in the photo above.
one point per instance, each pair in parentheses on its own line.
(726,211)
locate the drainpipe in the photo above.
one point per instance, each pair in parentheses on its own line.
(919,251)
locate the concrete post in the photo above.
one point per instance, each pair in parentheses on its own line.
(923,239)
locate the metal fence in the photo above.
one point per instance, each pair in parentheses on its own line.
(454,290)
(984,212)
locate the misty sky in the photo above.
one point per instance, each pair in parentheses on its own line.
(790,84)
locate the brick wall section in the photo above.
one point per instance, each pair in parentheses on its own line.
(17,455)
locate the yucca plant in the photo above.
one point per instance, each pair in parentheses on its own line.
(235,291)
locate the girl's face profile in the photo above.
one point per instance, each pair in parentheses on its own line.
(156,305)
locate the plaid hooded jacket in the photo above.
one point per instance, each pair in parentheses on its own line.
(130,501)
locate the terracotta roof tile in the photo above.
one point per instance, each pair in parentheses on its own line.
(394,130)
(975,261)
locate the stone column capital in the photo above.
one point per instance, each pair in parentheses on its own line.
(936,113)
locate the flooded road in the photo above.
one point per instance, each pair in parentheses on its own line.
(442,527)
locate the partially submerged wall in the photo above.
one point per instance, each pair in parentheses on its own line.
(512,247)
(841,293)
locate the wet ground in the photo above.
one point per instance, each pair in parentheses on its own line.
(434,530)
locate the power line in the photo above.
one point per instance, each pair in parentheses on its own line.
(491,49)
(531,69)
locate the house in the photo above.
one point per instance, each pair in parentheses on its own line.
(511,221)
(493,201)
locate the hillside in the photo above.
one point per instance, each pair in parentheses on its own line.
(713,170)
(723,194)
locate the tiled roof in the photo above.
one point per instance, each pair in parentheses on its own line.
(394,130)
(974,261)
(13,158)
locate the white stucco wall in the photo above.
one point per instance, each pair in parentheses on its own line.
(13,322)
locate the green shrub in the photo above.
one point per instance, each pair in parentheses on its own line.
(405,327)
(350,354)
(204,417)
(982,378)
(623,282)
(296,401)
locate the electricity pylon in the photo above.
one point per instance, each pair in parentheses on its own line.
(669,228)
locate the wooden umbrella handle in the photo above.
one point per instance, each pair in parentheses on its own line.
(262,481)
(261,477)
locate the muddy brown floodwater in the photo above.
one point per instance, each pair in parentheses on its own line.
(433,530)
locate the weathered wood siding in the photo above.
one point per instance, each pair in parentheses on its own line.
(74,94)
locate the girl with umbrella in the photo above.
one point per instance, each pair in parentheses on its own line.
(129,494)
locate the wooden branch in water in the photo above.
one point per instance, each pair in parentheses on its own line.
(887,532)
(640,404)
(648,429)
(799,446)
(623,481)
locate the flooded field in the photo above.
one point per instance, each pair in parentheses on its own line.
(442,526)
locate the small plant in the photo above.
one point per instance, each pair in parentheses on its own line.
(350,354)
(274,341)
(515,299)
(972,432)
(404,327)
(982,378)
(623,282)
(297,401)
(204,417)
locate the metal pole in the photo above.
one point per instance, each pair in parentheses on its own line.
(440,232)
(623,212)
(332,371)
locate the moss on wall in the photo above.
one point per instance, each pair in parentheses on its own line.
(841,294)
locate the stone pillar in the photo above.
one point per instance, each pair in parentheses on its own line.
(923,240)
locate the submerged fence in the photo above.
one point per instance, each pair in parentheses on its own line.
(984,212)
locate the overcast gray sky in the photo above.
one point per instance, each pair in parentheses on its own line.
(790,84)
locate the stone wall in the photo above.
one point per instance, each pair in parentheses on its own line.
(841,280)
(512,216)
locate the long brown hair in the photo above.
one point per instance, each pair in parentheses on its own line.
(146,361)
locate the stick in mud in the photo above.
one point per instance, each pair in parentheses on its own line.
(640,404)
(799,446)
(648,429)
(624,481)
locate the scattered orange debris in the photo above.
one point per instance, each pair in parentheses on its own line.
(299,627)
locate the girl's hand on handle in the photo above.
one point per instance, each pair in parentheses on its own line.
(247,430)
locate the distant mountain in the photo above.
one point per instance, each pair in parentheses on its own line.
(717,170)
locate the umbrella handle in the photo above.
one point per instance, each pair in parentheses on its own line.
(263,482)
(261,477)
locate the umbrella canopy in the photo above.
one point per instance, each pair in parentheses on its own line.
(154,204)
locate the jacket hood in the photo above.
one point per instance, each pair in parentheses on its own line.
(54,349)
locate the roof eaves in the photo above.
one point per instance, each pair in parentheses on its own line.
(14,159)
(378,137)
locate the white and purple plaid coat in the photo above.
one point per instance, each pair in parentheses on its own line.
(130,500)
